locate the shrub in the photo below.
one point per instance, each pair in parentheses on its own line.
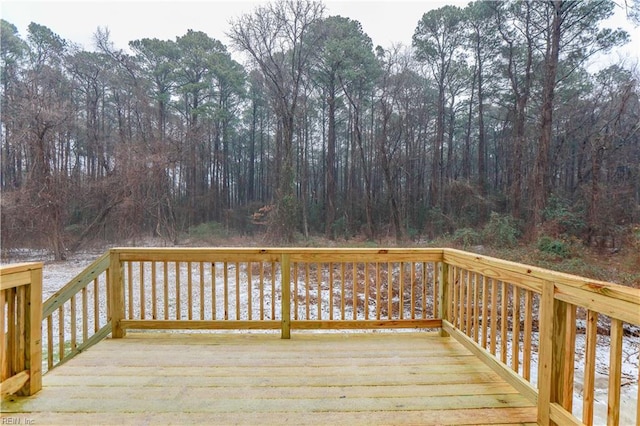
(339,228)
(437,223)
(412,233)
(567,219)
(553,246)
(467,237)
(501,230)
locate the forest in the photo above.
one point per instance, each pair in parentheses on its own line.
(494,115)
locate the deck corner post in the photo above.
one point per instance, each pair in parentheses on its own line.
(285,272)
(116,295)
(34,333)
(554,316)
(445,298)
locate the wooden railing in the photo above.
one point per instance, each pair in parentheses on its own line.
(76,317)
(516,317)
(536,328)
(20,320)
(242,289)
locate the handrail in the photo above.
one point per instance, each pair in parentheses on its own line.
(502,310)
(20,334)
(401,288)
(71,329)
(85,277)
(533,277)
(522,321)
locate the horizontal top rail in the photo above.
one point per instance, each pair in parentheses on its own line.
(17,274)
(535,276)
(608,298)
(222,254)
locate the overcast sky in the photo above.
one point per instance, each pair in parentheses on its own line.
(386,22)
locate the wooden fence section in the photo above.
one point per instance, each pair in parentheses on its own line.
(20,321)
(538,329)
(242,288)
(76,317)
(198,289)
(360,289)
(515,317)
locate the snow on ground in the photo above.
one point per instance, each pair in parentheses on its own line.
(628,391)
(57,274)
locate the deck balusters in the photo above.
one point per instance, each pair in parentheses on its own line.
(214,291)
(331,290)
(72,320)
(494,316)
(515,329)
(21,328)
(154,291)
(528,331)
(484,286)
(249,292)
(510,315)
(85,314)
(615,372)
(96,304)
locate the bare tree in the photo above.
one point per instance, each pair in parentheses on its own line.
(438,40)
(275,36)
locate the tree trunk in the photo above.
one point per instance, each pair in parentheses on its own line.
(466,153)
(437,166)
(482,148)
(386,171)
(367,181)
(331,165)
(284,222)
(541,167)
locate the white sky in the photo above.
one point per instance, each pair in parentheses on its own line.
(386,22)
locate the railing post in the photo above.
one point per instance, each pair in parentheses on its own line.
(444,293)
(34,332)
(116,295)
(285,273)
(553,361)
(21,328)
(545,378)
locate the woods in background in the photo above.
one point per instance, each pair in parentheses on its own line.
(492,113)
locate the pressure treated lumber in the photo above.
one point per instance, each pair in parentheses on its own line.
(258,378)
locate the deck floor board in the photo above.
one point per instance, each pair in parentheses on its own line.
(258,378)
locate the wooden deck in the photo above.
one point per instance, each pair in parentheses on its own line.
(258,378)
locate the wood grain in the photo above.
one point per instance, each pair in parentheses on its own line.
(258,378)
